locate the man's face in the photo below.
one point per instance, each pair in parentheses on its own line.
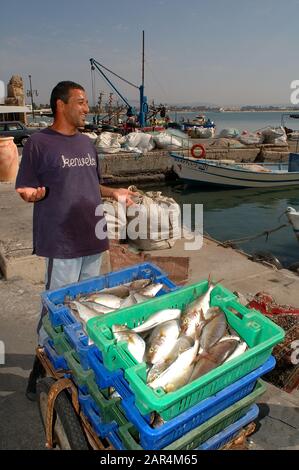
(76,109)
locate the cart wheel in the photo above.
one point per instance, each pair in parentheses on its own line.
(67,431)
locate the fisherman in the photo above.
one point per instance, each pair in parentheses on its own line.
(59,173)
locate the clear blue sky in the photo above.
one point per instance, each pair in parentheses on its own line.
(221,51)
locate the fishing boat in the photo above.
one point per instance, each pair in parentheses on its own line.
(293,217)
(199,127)
(235,175)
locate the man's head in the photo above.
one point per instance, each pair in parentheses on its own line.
(69,102)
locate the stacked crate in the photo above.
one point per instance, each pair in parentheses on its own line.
(204,414)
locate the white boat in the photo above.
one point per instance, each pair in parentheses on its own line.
(293,217)
(239,175)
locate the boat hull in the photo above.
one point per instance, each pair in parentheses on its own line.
(207,172)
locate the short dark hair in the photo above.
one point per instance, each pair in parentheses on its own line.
(61,92)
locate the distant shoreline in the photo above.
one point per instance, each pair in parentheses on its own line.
(237,111)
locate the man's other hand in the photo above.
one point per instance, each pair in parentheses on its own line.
(32,194)
(123,193)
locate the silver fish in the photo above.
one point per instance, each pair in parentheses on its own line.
(108,300)
(128,302)
(85,313)
(151,290)
(213,331)
(98,308)
(220,351)
(192,321)
(202,367)
(139,284)
(203,302)
(156,420)
(162,341)
(178,373)
(240,349)
(226,337)
(215,357)
(139,298)
(183,343)
(211,313)
(136,344)
(157,318)
(121,291)
(114,394)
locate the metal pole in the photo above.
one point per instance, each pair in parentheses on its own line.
(31,94)
(142,81)
(143,99)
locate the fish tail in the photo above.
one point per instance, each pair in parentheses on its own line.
(210,281)
(201,315)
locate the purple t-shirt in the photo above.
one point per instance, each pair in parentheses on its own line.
(64,221)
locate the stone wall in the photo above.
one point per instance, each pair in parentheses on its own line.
(157,165)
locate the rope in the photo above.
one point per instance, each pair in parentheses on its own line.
(93,88)
(254,237)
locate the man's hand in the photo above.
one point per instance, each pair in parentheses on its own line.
(123,193)
(32,194)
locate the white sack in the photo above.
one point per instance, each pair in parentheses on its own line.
(108,142)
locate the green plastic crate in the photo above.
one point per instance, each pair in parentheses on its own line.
(61,344)
(260,333)
(108,407)
(116,354)
(194,438)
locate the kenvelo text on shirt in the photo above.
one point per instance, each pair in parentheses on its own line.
(78,161)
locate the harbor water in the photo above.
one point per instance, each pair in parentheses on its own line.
(230,214)
(243,120)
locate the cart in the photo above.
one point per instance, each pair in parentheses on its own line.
(66,427)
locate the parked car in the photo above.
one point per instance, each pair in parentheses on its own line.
(17,130)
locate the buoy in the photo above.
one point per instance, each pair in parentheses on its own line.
(194,151)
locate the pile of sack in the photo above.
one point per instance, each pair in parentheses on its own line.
(268,135)
(141,142)
(153,223)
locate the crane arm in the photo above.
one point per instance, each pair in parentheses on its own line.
(94,64)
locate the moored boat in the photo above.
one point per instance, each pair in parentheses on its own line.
(239,175)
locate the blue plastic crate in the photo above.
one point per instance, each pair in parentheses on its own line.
(105,378)
(90,410)
(225,436)
(115,440)
(79,342)
(203,433)
(173,429)
(60,314)
(215,442)
(56,360)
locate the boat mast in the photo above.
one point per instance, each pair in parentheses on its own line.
(142,76)
(143,99)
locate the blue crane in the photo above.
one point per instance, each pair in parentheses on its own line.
(143,106)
